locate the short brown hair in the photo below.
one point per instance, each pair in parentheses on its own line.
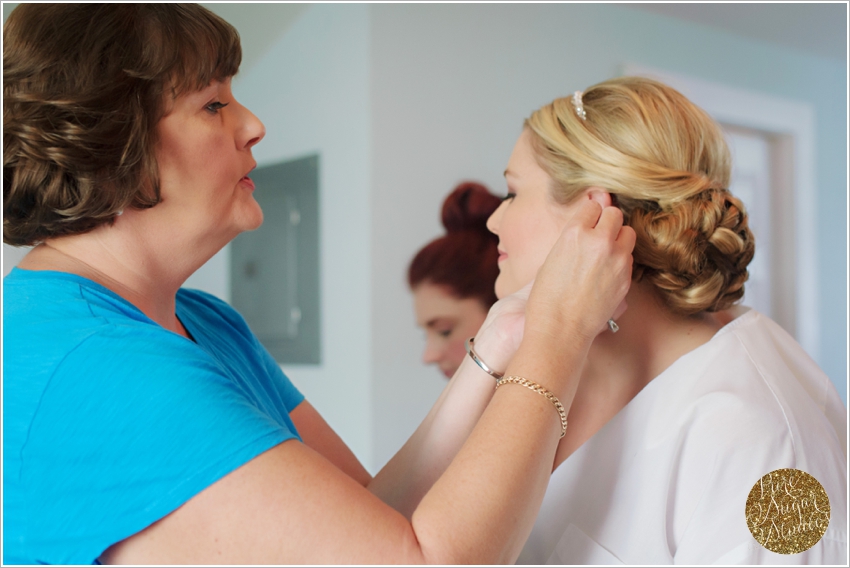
(667,166)
(84,86)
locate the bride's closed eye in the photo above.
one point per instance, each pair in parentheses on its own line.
(508,196)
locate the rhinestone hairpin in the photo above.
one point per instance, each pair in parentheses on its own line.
(579,105)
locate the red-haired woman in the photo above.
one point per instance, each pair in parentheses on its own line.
(453,277)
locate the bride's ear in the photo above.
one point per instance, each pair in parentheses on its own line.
(600,196)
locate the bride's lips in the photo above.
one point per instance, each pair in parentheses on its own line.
(502,255)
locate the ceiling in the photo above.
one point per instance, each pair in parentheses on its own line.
(815,28)
(259,25)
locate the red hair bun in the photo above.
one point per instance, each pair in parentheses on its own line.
(465,259)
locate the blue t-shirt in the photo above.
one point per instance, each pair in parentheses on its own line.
(111,422)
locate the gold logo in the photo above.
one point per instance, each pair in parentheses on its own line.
(787,511)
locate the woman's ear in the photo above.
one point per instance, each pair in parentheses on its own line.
(599,195)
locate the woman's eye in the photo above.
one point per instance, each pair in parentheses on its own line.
(509,196)
(444,332)
(215,107)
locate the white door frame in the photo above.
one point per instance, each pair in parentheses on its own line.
(790,119)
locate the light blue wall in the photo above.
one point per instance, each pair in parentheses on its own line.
(404,101)
(822,83)
(311,90)
(451,84)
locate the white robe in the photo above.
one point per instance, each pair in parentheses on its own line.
(666,480)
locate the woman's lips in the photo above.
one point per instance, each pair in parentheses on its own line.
(248,182)
(502,255)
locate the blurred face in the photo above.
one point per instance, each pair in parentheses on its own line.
(448,322)
(529,220)
(204,158)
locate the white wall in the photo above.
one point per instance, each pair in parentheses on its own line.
(311,90)
(451,84)
(404,101)
(12,256)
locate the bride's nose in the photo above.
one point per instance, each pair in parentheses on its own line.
(493,220)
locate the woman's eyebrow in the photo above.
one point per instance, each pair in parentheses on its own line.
(438,320)
(511,173)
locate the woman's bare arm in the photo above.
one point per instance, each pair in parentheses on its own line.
(291,505)
(425,456)
(319,436)
(406,478)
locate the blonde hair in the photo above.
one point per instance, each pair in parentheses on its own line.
(667,166)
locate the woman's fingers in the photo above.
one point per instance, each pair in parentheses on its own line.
(607,219)
(627,237)
(501,333)
(610,222)
(588,214)
(588,271)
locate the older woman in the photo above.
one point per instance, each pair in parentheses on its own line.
(694,399)
(144,423)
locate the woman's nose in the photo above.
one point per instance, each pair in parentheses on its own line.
(431,354)
(493,220)
(252,129)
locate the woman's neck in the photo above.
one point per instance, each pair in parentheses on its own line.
(145,273)
(619,366)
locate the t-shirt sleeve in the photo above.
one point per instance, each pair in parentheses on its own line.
(289,395)
(130,427)
(212,313)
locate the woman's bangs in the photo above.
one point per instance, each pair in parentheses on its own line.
(209,51)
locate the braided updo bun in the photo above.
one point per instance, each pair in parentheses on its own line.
(465,259)
(666,164)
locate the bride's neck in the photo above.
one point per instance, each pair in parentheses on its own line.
(650,339)
(618,366)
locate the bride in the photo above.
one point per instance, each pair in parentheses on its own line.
(693,399)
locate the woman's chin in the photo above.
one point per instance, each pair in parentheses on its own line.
(251,220)
(504,287)
(507,286)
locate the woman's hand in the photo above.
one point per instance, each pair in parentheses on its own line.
(501,333)
(585,277)
(588,267)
